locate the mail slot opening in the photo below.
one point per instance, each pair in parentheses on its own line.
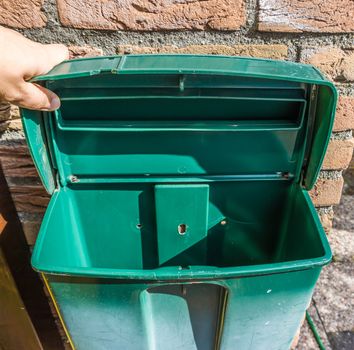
(180,109)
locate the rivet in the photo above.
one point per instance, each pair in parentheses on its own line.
(74,178)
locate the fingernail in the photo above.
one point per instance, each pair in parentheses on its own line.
(55,103)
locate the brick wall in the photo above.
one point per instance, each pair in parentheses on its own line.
(320,33)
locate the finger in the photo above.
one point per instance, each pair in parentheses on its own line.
(53,54)
(57,53)
(37,97)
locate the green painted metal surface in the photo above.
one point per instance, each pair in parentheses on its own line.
(180,216)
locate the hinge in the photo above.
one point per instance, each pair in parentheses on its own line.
(309,130)
(57,182)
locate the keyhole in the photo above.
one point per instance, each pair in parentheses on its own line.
(182,228)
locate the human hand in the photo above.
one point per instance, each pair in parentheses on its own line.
(20,60)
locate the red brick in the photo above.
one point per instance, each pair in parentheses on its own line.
(339,154)
(16,161)
(333,16)
(22,13)
(327,192)
(336,63)
(84,51)
(152,15)
(29,199)
(18,166)
(345,114)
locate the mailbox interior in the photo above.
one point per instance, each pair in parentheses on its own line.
(157,172)
(114,228)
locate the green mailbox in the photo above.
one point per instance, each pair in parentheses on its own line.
(180,216)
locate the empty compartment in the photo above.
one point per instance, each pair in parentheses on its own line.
(114,227)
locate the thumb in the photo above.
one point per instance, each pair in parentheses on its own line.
(34,96)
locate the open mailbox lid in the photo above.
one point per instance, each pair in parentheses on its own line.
(144,117)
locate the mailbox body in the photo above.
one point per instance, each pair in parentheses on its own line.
(180,215)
